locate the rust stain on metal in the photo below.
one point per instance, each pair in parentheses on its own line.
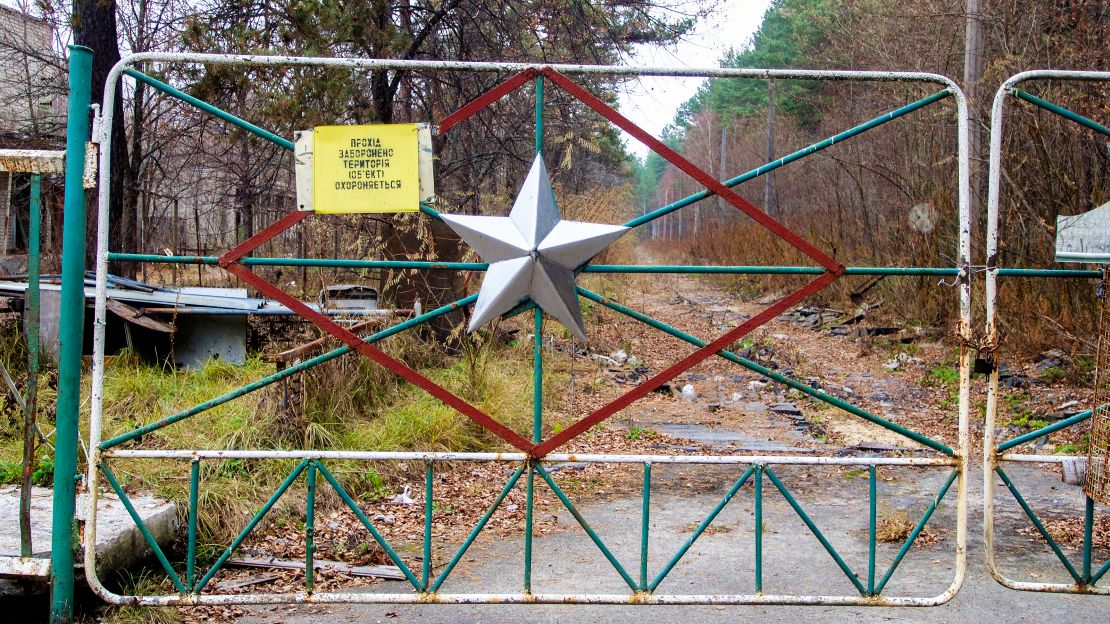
(640,597)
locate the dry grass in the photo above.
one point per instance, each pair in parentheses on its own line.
(1069,531)
(894,527)
(348,404)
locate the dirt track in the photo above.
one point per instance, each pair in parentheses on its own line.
(731,411)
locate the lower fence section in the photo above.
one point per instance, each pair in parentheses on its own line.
(310,472)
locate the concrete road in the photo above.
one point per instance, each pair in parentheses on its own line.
(722,562)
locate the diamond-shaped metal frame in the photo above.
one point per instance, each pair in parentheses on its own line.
(833,271)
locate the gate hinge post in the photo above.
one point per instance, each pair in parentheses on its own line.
(92,148)
(96,136)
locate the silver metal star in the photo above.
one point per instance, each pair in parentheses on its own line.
(533,254)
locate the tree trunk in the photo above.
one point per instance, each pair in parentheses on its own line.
(94,26)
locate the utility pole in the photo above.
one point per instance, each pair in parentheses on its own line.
(769,177)
(973,70)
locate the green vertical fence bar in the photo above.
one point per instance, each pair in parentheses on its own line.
(31,327)
(310,528)
(539,114)
(191,549)
(537,430)
(759,529)
(1088,528)
(528,519)
(70,337)
(645,516)
(426,565)
(871,487)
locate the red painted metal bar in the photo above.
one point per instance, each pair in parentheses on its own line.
(379,356)
(683,365)
(694,171)
(487,98)
(256,241)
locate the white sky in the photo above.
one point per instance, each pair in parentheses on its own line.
(652,102)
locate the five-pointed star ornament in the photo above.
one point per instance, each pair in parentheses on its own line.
(532,253)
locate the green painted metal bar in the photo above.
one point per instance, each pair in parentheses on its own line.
(432,265)
(1061,111)
(767,270)
(529,505)
(305,262)
(916,531)
(645,515)
(587,528)
(872,499)
(71,338)
(226,554)
(701,528)
(1040,526)
(537,376)
(153,543)
(282,374)
(353,506)
(816,532)
(1054,273)
(1043,431)
(1088,526)
(429,211)
(537,394)
(31,329)
(1101,572)
(426,565)
(785,160)
(208,108)
(759,529)
(763,370)
(477,529)
(191,533)
(310,528)
(539,114)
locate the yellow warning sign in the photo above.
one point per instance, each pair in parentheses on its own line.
(360,169)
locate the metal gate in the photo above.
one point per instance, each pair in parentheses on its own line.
(534,453)
(996,453)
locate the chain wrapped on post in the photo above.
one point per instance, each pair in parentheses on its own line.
(1097,483)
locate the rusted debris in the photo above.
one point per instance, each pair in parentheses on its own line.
(137,317)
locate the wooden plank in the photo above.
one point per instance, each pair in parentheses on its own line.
(137,317)
(309,348)
(247,582)
(387,572)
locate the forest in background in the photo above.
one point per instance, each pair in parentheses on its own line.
(190,184)
(856,199)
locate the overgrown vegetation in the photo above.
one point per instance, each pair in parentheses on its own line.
(856,199)
(347,404)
